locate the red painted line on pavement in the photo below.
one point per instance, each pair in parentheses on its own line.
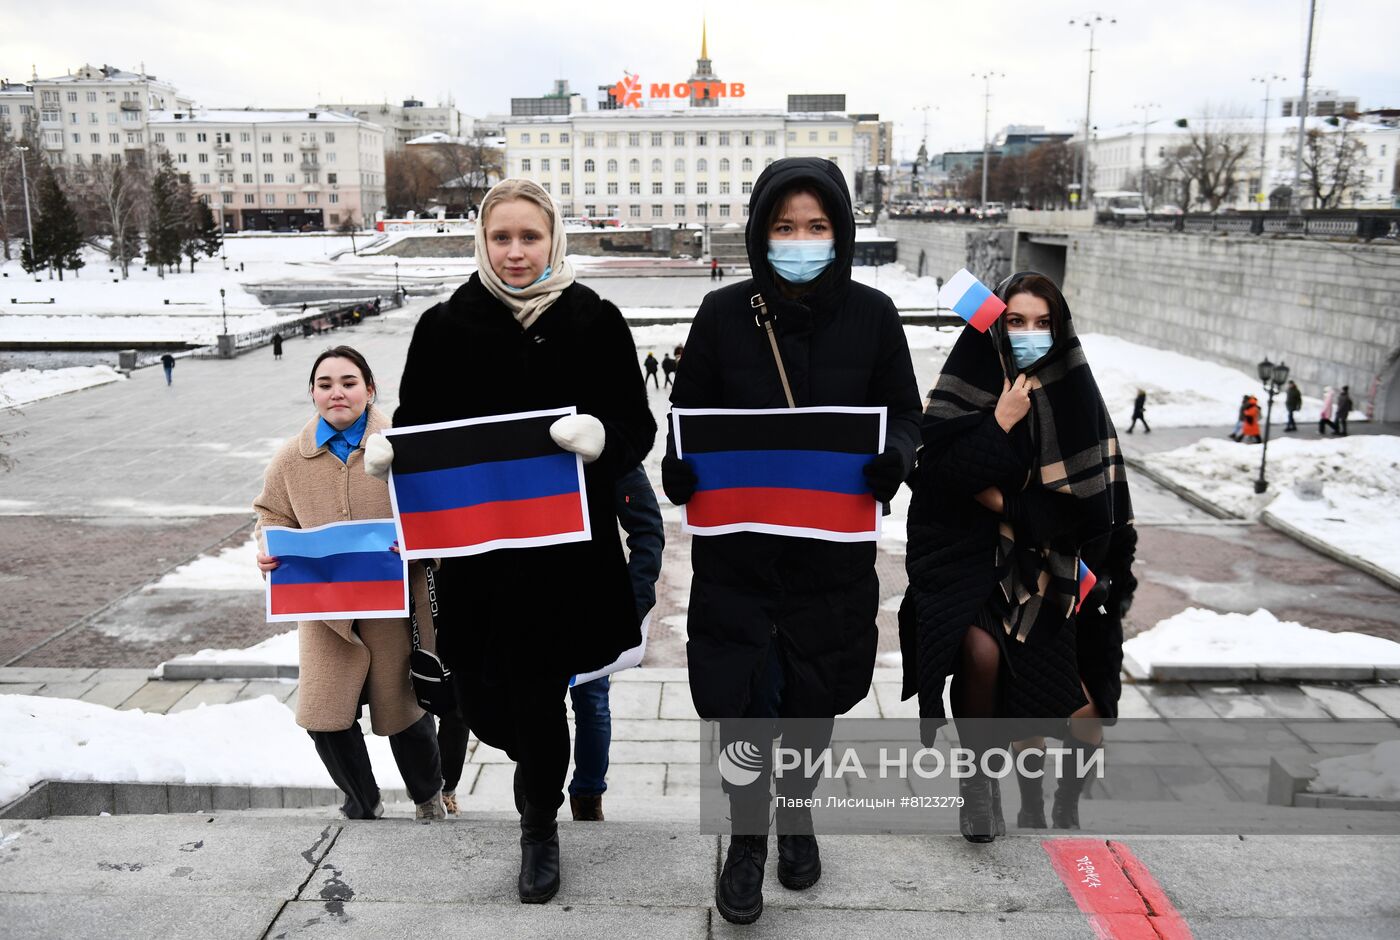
(1115,890)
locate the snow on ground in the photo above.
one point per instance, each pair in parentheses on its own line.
(252,743)
(22,386)
(1196,636)
(905,289)
(233,569)
(1340,490)
(1375,773)
(279,650)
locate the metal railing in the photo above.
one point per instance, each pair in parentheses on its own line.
(1365,225)
(310,324)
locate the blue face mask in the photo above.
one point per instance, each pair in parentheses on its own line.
(1027,346)
(547,272)
(798,261)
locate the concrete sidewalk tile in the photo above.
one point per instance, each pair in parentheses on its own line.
(467,782)
(868,707)
(143,799)
(158,695)
(191,798)
(1139,729)
(73,690)
(799,922)
(209,692)
(635,699)
(1133,704)
(1250,783)
(21,688)
(1231,701)
(43,674)
(80,799)
(1267,732)
(676,701)
(1287,702)
(652,674)
(1177,700)
(887,697)
(1221,756)
(636,780)
(1134,782)
(121,675)
(1342,703)
(1197,783)
(1384,697)
(98,917)
(1239,928)
(683,780)
(474,921)
(492,781)
(1360,672)
(113,692)
(486,754)
(279,689)
(1345,732)
(654,752)
(1152,754)
(655,729)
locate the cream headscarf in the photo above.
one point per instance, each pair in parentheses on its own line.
(528,303)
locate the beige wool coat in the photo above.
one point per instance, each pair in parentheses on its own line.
(307,486)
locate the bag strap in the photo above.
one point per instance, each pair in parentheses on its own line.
(413,604)
(765,319)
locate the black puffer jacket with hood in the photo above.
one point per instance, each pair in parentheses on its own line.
(842,344)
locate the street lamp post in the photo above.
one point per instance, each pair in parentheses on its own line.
(1266,81)
(223,310)
(24,184)
(1089,21)
(1296,203)
(1273,375)
(1145,109)
(986,127)
(397,289)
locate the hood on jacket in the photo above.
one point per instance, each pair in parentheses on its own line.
(774,183)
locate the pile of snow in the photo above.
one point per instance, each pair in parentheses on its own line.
(1343,491)
(22,386)
(280,650)
(1204,637)
(252,743)
(233,569)
(1375,773)
(908,291)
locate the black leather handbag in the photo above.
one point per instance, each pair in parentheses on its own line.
(432,680)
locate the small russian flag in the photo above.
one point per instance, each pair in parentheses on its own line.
(972,300)
(340,571)
(1086,584)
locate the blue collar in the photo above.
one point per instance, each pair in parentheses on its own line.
(341,443)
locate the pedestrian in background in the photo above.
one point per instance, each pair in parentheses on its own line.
(276,345)
(1238,433)
(167,363)
(1324,417)
(714,269)
(1140,412)
(1344,406)
(316,478)
(1249,421)
(651,366)
(668,366)
(1293,401)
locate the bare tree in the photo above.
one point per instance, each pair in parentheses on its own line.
(1209,166)
(1331,163)
(409,181)
(115,197)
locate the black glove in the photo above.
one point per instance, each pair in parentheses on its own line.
(678,479)
(884,474)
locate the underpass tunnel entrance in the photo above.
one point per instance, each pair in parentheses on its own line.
(1042,253)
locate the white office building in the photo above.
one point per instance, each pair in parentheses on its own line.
(99,115)
(408,121)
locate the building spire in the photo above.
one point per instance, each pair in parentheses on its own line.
(704,40)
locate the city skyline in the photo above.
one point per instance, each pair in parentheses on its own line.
(1186,59)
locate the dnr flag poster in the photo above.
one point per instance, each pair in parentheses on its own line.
(783,471)
(468,487)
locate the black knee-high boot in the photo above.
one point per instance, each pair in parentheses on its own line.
(979,817)
(539,854)
(1064,813)
(1031,815)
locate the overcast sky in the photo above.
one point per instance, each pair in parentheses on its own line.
(893,57)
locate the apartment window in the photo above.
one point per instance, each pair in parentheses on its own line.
(634,189)
(590,210)
(49,97)
(72,117)
(203,158)
(204,177)
(525,165)
(702,188)
(95,138)
(330,137)
(249,199)
(92,96)
(702,139)
(564,164)
(724,165)
(612,189)
(244,137)
(544,164)
(702,210)
(746,165)
(724,187)
(811,137)
(612,166)
(247,178)
(270,199)
(634,211)
(267,158)
(332,178)
(744,210)
(545,187)
(589,140)
(266,138)
(770,139)
(656,211)
(655,142)
(311,199)
(702,165)
(588,165)
(291,177)
(792,137)
(1383,149)
(748,140)
(288,158)
(656,188)
(525,138)
(678,138)
(634,166)
(724,210)
(228,197)
(544,137)
(291,199)
(286,138)
(245,158)
(4,110)
(77,138)
(724,138)
(590,189)
(565,189)
(201,137)
(334,198)
(330,157)
(679,166)
(612,211)
(832,137)
(93,118)
(160,137)
(746,187)
(612,138)
(680,189)
(634,139)
(563,138)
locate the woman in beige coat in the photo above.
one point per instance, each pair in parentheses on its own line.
(316,478)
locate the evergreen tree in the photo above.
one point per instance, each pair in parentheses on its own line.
(27,258)
(62,237)
(164,218)
(189,236)
(210,236)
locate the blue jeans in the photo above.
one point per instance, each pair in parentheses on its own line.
(592,737)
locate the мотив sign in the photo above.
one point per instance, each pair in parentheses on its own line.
(628,92)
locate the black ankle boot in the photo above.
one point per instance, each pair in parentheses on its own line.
(1064,812)
(799,861)
(975,816)
(539,855)
(998,820)
(739,893)
(1031,815)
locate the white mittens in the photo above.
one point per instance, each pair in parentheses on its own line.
(379,454)
(579,434)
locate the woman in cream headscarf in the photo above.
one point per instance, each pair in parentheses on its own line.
(515,624)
